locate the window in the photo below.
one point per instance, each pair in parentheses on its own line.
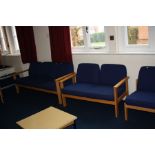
(15,40)
(77,38)
(135,39)
(138,35)
(97,37)
(8,40)
(3,40)
(87,37)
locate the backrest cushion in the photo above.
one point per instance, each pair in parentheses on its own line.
(146,79)
(65,68)
(111,74)
(35,69)
(88,73)
(49,70)
(55,70)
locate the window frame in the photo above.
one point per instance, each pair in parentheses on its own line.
(4,41)
(125,48)
(11,47)
(135,45)
(87,49)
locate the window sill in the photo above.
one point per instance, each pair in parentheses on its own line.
(81,53)
(113,53)
(136,53)
(15,54)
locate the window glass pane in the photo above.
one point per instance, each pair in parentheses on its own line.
(138,34)
(77,37)
(97,36)
(2,40)
(15,38)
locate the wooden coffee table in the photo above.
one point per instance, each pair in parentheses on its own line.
(50,118)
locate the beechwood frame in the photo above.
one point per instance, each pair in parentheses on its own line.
(115,102)
(56,92)
(126,107)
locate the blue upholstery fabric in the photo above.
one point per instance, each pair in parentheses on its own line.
(91,91)
(28,81)
(35,69)
(111,74)
(39,83)
(63,69)
(55,70)
(146,79)
(48,85)
(42,75)
(141,99)
(88,73)
(49,70)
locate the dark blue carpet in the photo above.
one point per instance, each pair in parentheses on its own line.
(90,115)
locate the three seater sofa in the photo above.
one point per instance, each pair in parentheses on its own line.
(108,85)
(44,76)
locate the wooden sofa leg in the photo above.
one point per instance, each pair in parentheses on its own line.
(126,111)
(17,89)
(1,94)
(64,101)
(116,110)
(59,92)
(59,98)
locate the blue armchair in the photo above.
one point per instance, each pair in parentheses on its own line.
(144,97)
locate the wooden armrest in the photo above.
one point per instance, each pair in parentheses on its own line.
(17,73)
(121,82)
(125,80)
(68,77)
(71,76)
(62,77)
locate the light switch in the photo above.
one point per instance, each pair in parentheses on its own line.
(111,37)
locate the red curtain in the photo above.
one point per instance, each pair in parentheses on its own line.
(27,45)
(60,44)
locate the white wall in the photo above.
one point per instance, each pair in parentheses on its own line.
(15,61)
(41,35)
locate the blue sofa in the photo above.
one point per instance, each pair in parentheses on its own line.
(107,85)
(44,76)
(144,97)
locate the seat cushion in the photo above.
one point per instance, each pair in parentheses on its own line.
(146,79)
(141,99)
(111,74)
(88,73)
(48,85)
(39,83)
(91,91)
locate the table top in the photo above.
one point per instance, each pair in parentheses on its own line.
(7,71)
(50,118)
